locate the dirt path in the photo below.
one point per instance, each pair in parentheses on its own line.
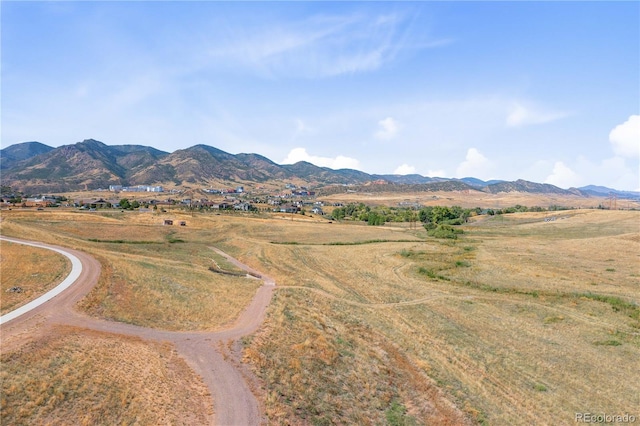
(585,318)
(234,402)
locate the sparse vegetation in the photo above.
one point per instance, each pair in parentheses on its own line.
(31,270)
(78,377)
(616,303)
(540,387)
(610,342)
(396,415)
(444,231)
(412,329)
(342,243)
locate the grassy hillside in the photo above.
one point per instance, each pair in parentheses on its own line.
(512,323)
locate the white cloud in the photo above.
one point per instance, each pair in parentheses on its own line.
(436,173)
(625,138)
(404,169)
(563,177)
(612,172)
(339,162)
(388,128)
(474,165)
(521,115)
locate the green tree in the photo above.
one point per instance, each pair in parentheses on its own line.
(338,213)
(425,214)
(374,218)
(440,214)
(466,214)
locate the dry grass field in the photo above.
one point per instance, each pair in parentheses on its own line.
(88,378)
(473,199)
(152,275)
(519,321)
(34,270)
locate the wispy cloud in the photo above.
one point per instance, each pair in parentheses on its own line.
(525,115)
(322,46)
(388,128)
(301,129)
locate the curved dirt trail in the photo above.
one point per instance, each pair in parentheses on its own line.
(234,402)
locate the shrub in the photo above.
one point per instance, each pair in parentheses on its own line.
(540,387)
(428,272)
(396,415)
(444,231)
(607,343)
(406,253)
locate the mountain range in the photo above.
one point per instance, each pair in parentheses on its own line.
(33,167)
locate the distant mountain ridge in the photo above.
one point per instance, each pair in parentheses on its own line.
(600,191)
(22,151)
(34,167)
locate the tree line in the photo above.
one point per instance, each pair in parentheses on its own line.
(438,215)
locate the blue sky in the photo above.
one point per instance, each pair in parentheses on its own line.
(543,91)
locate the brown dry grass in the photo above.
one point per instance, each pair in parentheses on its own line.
(503,322)
(595,251)
(520,321)
(88,378)
(33,269)
(478,199)
(153,275)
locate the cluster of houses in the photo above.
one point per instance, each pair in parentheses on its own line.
(302,191)
(297,206)
(294,200)
(137,188)
(237,190)
(42,201)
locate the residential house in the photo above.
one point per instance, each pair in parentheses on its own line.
(287,208)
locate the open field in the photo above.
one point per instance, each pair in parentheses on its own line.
(152,275)
(479,199)
(33,270)
(519,321)
(81,377)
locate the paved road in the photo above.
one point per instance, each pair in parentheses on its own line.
(210,354)
(76,269)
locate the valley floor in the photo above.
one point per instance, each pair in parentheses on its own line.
(518,321)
